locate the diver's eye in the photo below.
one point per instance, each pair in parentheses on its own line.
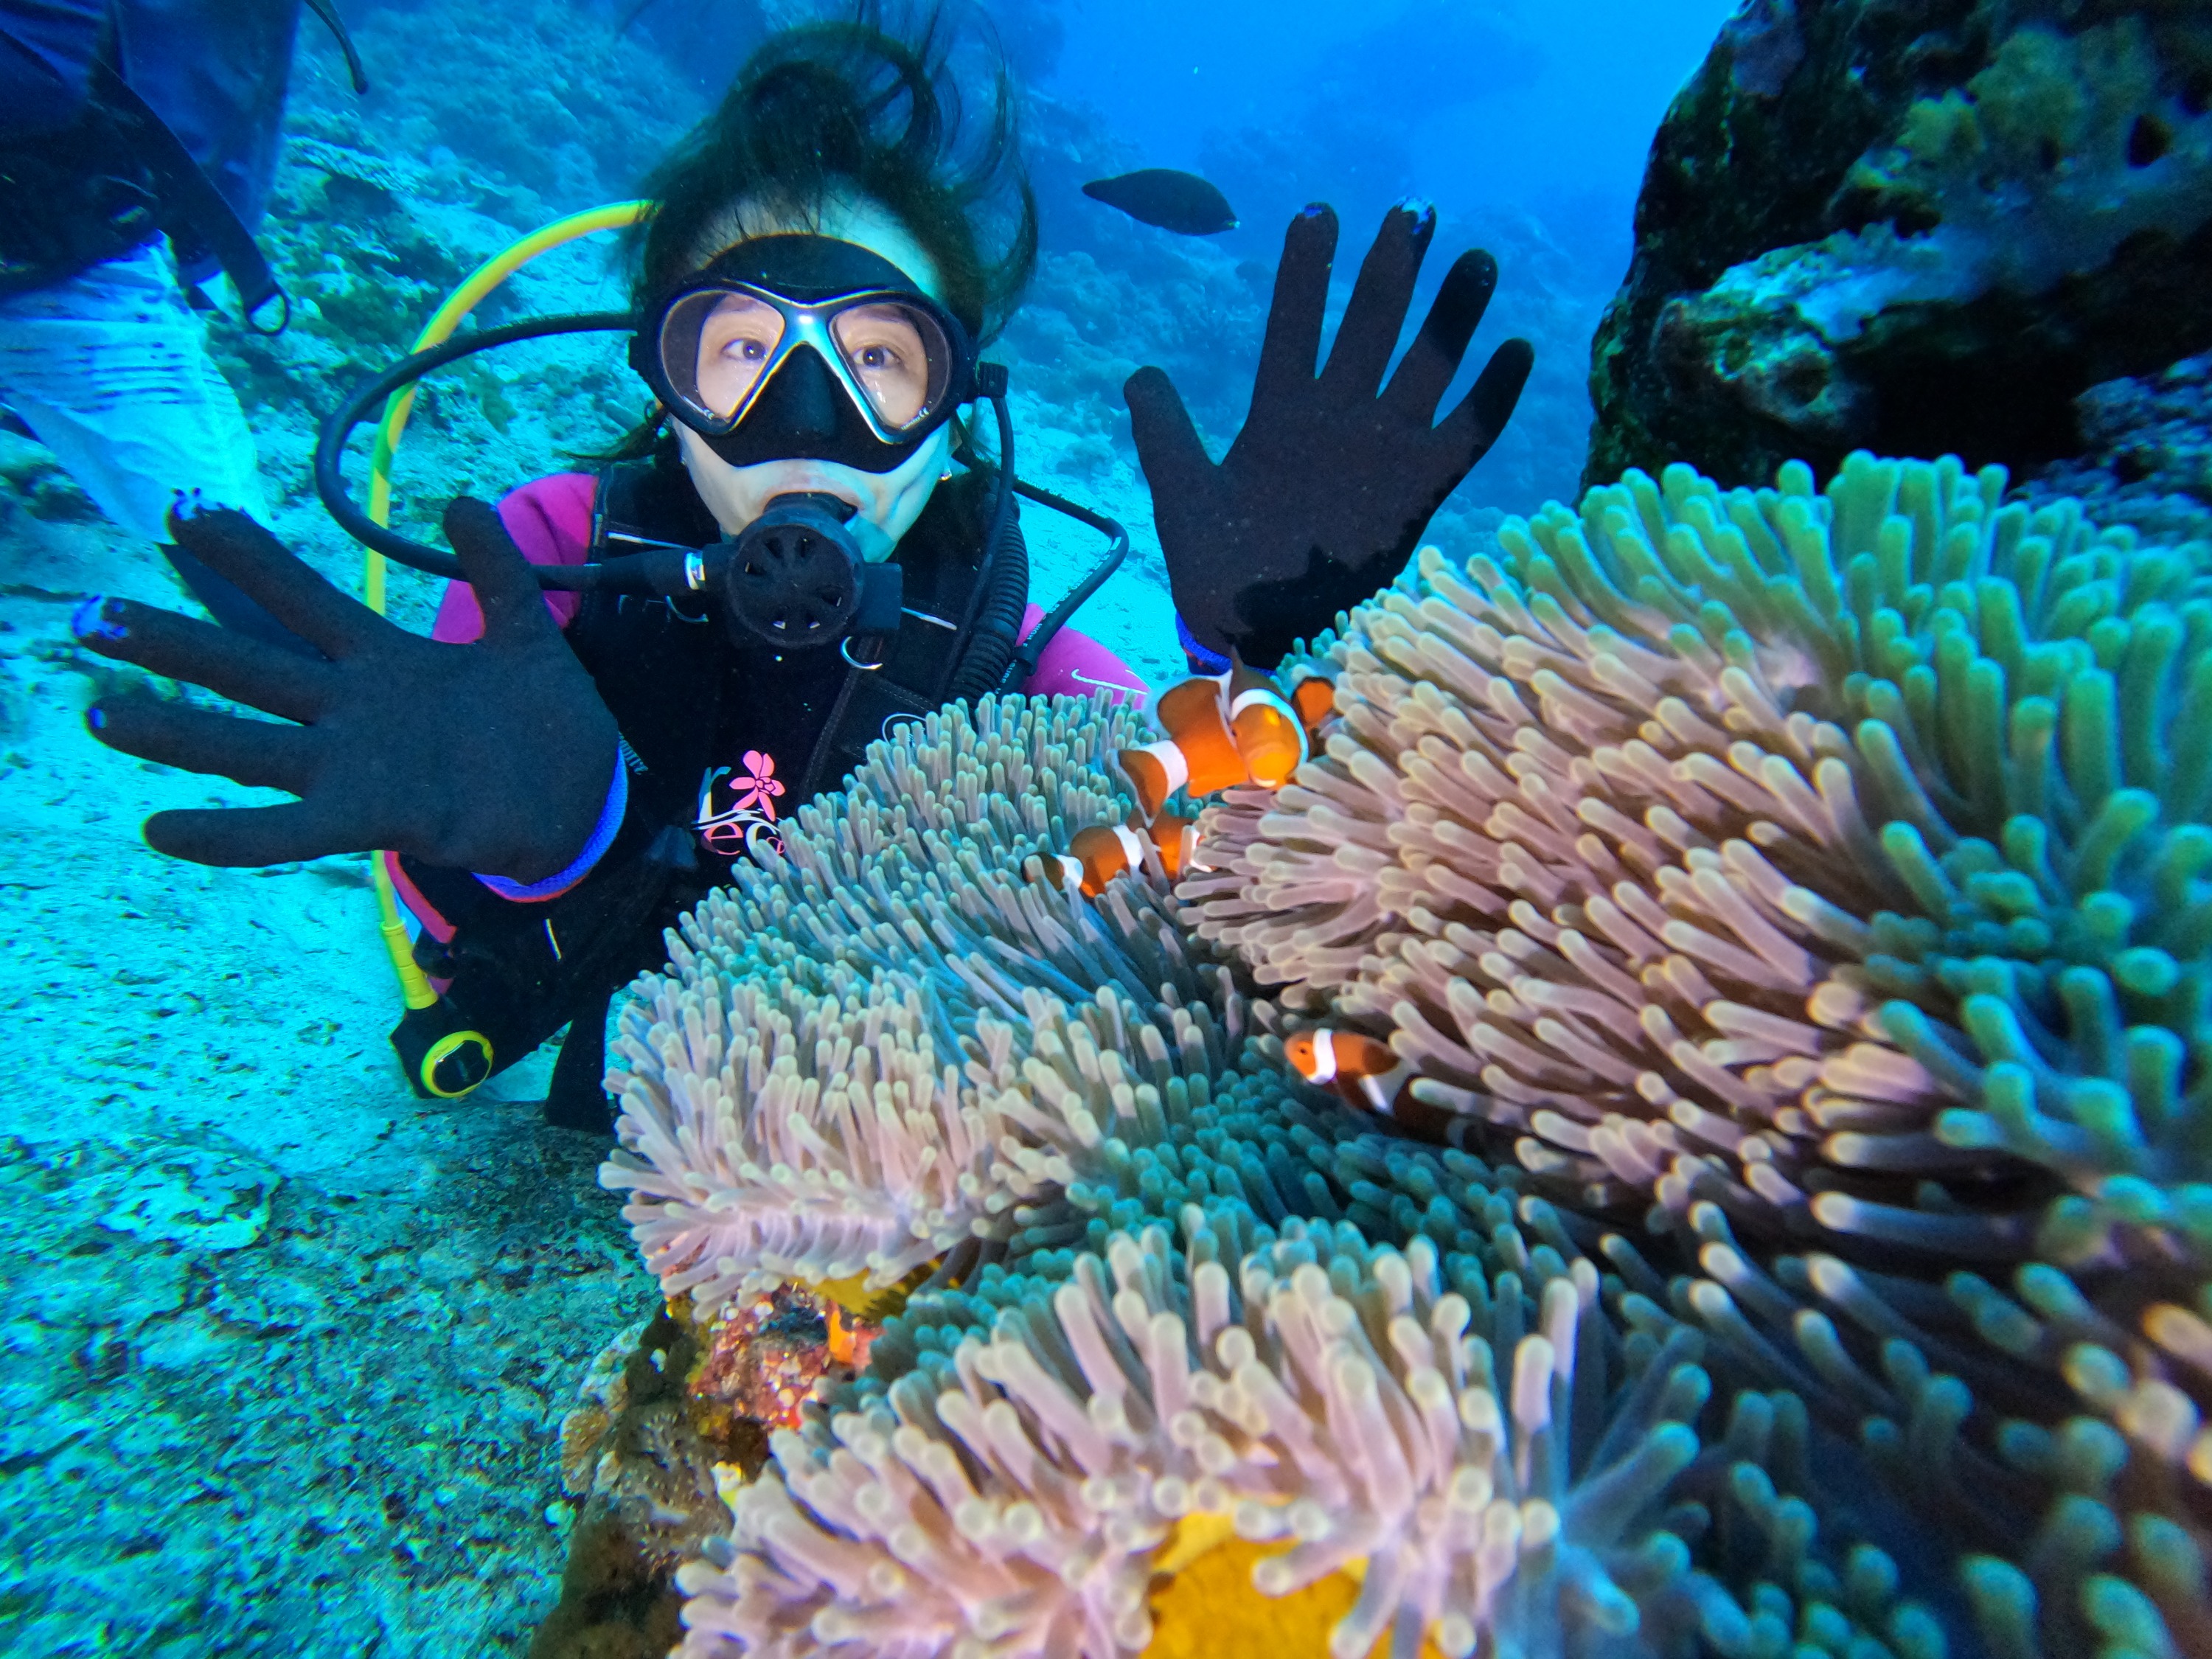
(737,334)
(889,354)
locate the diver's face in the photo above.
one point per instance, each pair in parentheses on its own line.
(736,342)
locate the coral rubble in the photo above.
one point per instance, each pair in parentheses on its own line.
(1909,229)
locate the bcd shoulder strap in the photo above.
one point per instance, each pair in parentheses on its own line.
(949,574)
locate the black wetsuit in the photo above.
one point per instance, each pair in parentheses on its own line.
(725,740)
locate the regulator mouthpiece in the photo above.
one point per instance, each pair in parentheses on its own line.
(796,578)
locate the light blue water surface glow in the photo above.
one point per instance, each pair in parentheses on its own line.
(286,1351)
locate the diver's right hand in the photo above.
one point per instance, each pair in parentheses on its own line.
(496,756)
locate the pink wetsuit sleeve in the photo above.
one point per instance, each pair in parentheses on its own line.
(1076,665)
(550,519)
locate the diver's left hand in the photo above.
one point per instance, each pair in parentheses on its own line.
(1323,496)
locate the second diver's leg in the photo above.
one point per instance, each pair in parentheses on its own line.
(111,371)
(577,1099)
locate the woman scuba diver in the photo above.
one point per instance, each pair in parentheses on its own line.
(560,771)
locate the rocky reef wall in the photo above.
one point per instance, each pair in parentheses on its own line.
(1917,227)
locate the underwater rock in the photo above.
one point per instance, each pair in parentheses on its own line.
(634,1458)
(760,1361)
(2147,459)
(670,1416)
(1914,229)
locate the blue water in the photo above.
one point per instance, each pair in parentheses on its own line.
(1529,106)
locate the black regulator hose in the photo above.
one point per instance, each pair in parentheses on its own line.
(1024,661)
(330,455)
(1005,598)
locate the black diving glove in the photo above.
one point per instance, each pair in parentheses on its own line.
(1323,497)
(495,757)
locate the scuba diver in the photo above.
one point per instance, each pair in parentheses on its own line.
(647,669)
(123,123)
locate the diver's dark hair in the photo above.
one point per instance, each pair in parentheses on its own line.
(853,106)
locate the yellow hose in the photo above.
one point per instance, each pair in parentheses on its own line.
(414,984)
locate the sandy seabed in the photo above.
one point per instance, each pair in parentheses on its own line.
(286,1349)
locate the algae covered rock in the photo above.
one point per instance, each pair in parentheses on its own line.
(2145,458)
(1914,229)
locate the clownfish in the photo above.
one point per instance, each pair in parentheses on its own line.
(1223,730)
(1269,734)
(1351,1066)
(1104,851)
(1199,752)
(1315,700)
(850,1337)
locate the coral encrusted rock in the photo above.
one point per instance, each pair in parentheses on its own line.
(1911,228)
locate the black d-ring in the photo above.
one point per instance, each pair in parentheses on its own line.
(283,314)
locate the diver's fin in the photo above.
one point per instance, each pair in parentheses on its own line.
(225,601)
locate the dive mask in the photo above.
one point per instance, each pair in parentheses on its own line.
(806,348)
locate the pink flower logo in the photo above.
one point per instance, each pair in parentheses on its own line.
(757,786)
(747,822)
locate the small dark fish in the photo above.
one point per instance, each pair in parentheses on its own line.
(1181,201)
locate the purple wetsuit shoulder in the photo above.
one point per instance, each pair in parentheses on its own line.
(1076,665)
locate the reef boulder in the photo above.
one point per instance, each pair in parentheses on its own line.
(1921,229)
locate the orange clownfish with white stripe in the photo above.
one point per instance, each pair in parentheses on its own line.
(1226,730)
(1315,700)
(1104,851)
(1351,1066)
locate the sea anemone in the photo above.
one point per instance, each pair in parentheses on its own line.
(1832,856)
(845,1078)
(1827,868)
(885,1045)
(1322,1408)
(1784,901)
